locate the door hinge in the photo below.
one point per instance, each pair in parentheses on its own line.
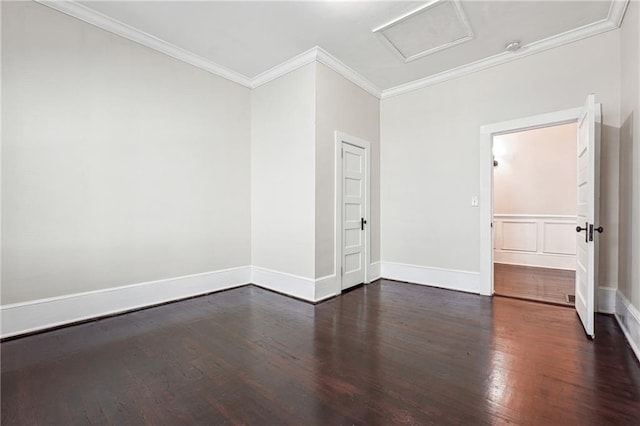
(342,153)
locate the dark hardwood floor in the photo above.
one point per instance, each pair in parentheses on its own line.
(387,353)
(540,284)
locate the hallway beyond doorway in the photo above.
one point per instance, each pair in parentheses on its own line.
(532,283)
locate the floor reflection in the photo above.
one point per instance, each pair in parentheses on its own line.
(544,370)
(346,342)
(381,353)
(386,353)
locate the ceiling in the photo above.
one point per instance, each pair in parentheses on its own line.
(249,38)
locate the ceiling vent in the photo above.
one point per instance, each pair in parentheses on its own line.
(428,29)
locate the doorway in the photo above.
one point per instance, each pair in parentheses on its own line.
(352,210)
(588,119)
(534,214)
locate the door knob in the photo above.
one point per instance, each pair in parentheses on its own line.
(591,229)
(362,223)
(586,234)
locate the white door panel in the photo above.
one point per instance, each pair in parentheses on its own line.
(587,213)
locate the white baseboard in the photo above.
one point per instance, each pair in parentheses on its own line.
(538,260)
(41,314)
(302,287)
(326,287)
(26,317)
(282,282)
(607,300)
(629,319)
(436,277)
(374,271)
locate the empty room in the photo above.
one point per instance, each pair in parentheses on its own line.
(320,212)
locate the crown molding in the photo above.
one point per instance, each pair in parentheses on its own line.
(86,14)
(617,11)
(72,8)
(335,64)
(284,68)
(316,54)
(612,22)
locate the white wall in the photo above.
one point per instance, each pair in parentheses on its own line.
(630,157)
(293,122)
(283,173)
(536,172)
(119,164)
(345,107)
(430,149)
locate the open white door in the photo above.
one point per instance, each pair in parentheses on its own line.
(587,213)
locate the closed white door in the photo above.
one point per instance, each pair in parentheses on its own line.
(354,219)
(587,217)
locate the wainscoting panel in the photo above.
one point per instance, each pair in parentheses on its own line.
(519,236)
(559,238)
(535,240)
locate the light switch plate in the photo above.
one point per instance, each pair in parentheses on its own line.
(474,201)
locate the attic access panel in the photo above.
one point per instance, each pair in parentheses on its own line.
(433,27)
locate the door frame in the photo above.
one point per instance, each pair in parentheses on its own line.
(340,138)
(487,132)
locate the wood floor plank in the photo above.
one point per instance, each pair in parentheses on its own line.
(386,353)
(533,283)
